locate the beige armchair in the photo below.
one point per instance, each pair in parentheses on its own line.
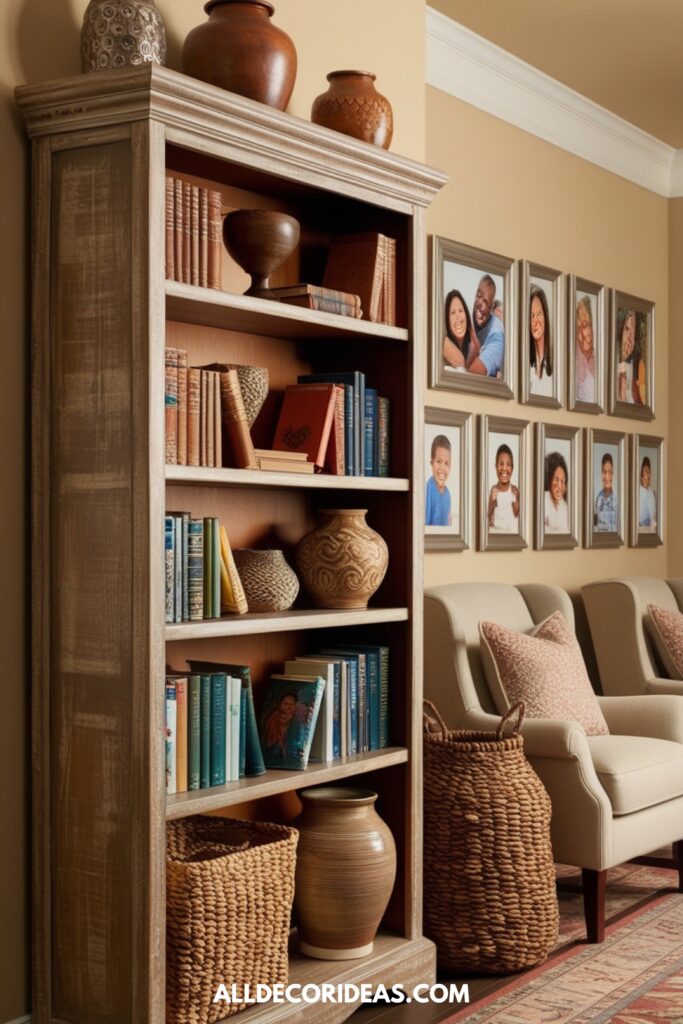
(617,614)
(615,797)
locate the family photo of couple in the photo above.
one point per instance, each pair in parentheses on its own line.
(475,343)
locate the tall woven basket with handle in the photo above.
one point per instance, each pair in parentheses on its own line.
(489,878)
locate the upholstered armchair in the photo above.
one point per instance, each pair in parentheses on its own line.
(614,797)
(617,616)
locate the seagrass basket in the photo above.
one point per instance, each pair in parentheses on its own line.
(230,887)
(490,902)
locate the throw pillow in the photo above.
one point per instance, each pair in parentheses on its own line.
(666,629)
(545,669)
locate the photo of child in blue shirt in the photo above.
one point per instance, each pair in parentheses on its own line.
(606,510)
(438,498)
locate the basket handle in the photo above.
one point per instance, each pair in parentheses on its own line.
(519,708)
(437,718)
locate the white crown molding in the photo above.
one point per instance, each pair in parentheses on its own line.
(472,69)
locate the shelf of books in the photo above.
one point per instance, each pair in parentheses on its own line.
(173,449)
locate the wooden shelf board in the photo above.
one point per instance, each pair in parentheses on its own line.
(263,478)
(281,622)
(208,307)
(200,801)
(393,960)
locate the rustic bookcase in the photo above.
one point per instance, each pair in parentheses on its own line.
(102,315)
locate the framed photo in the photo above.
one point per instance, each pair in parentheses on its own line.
(647,491)
(502,483)
(448,472)
(632,363)
(473,320)
(587,319)
(541,334)
(605,488)
(558,482)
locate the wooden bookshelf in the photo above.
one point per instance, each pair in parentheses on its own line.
(102,315)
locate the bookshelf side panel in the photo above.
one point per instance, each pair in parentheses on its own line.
(91,582)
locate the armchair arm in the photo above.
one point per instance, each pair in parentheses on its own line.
(657,715)
(543,737)
(664,686)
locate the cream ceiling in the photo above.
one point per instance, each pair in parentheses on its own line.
(626,55)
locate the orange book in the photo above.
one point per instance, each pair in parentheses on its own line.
(182,407)
(306,419)
(177,230)
(334,457)
(168,220)
(203,237)
(215,239)
(193,415)
(194,240)
(187,232)
(217,422)
(236,434)
(210,414)
(355,263)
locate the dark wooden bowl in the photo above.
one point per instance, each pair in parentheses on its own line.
(260,241)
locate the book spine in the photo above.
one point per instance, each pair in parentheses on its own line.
(177,568)
(383,431)
(203,238)
(181,735)
(195,569)
(208,569)
(218,733)
(235,703)
(214,240)
(217,422)
(253,754)
(168,220)
(359,422)
(362,705)
(391,282)
(334,458)
(349,468)
(336,712)
(235,424)
(323,304)
(210,419)
(193,415)
(182,408)
(169,568)
(375,433)
(369,423)
(243,732)
(187,232)
(202,417)
(377,283)
(171,725)
(384,698)
(177,229)
(194,213)
(205,733)
(171,406)
(372,663)
(185,574)
(216,568)
(353,707)
(316,291)
(194,721)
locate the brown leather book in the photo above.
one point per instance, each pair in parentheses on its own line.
(194,239)
(217,422)
(168,220)
(171,407)
(203,238)
(215,240)
(210,419)
(334,457)
(202,418)
(355,264)
(236,437)
(305,420)
(187,232)
(182,407)
(177,230)
(193,414)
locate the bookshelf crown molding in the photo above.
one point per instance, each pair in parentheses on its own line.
(463,64)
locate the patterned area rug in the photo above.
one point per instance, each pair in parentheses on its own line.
(634,977)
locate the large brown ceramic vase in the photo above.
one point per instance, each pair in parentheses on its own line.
(353,106)
(342,562)
(345,871)
(240,49)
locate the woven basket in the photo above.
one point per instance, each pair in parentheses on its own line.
(230,887)
(270,584)
(489,877)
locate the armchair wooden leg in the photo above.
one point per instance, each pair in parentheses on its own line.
(677,851)
(594,903)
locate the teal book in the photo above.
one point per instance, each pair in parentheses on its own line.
(194,731)
(218,724)
(208,568)
(216,568)
(253,756)
(288,719)
(205,733)
(377,658)
(243,731)
(357,699)
(195,570)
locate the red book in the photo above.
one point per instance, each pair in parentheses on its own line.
(306,419)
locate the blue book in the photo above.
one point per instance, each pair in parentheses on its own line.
(371,433)
(253,758)
(205,732)
(355,710)
(217,741)
(169,567)
(288,719)
(243,731)
(378,690)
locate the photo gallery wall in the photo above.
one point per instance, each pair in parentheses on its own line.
(503,328)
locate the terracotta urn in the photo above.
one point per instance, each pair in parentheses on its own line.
(342,562)
(353,106)
(122,33)
(240,49)
(268,580)
(260,241)
(345,871)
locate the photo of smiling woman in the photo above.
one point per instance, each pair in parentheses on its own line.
(540,345)
(556,509)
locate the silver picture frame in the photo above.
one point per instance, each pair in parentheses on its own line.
(646,533)
(457,428)
(558,452)
(541,284)
(604,528)
(496,432)
(631,376)
(587,301)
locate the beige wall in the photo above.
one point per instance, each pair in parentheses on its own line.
(516,195)
(39,39)
(675,500)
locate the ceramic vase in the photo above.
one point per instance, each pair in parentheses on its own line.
(240,49)
(122,33)
(342,562)
(269,582)
(345,871)
(353,106)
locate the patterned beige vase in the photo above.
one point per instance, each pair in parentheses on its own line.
(342,562)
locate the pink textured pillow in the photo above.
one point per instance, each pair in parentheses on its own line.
(545,669)
(666,629)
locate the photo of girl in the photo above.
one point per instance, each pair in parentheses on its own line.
(446,480)
(502,476)
(631,387)
(540,345)
(647,485)
(460,344)
(503,506)
(632,372)
(542,339)
(556,509)
(556,494)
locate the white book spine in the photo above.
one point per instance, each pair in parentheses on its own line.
(236,693)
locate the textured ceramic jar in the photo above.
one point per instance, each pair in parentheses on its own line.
(240,49)
(269,582)
(353,106)
(345,871)
(342,562)
(122,33)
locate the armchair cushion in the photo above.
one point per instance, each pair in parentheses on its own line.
(666,630)
(637,771)
(545,669)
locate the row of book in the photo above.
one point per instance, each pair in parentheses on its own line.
(200,573)
(194,221)
(204,414)
(210,727)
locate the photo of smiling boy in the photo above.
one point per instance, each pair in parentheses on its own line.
(503,504)
(438,497)
(606,508)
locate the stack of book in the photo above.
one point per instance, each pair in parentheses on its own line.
(210,727)
(365,264)
(201,576)
(315,296)
(193,234)
(283,462)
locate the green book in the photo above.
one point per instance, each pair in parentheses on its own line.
(205,733)
(216,568)
(217,742)
(208,569)
(194,727)
(252,755)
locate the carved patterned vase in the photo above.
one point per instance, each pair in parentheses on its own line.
(345,871)
(353,106)
(122,33)
(253,381)
(342,562)
(269,582)
(240,49)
